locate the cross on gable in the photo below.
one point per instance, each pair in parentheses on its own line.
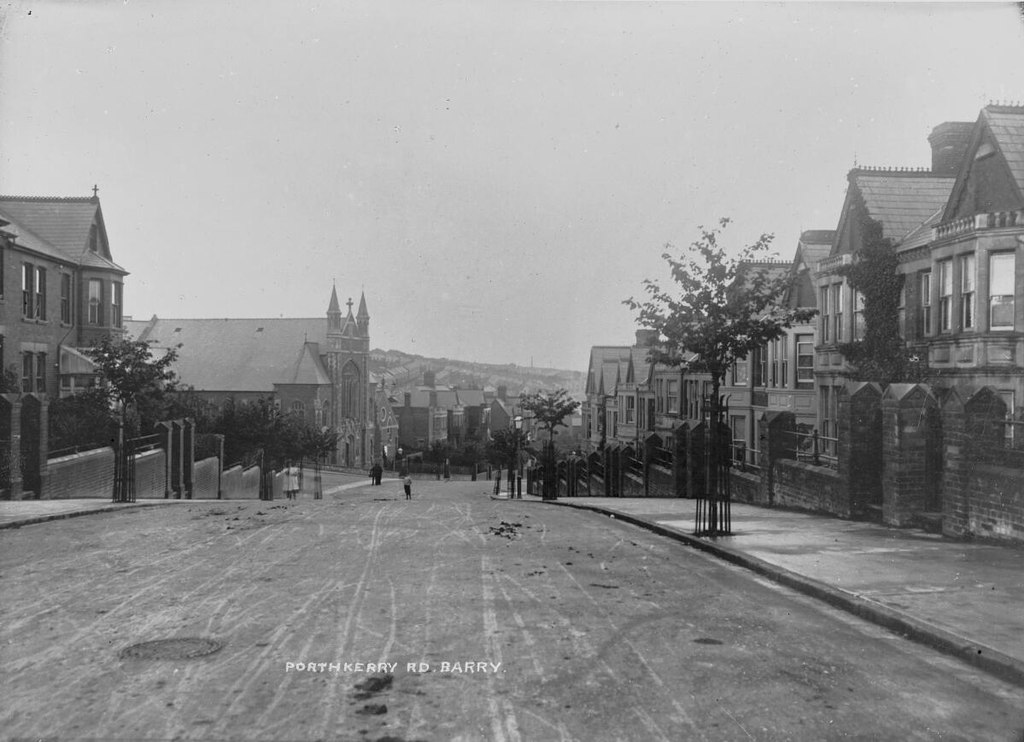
(349,303)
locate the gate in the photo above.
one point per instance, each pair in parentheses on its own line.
(714,503)
(124,468)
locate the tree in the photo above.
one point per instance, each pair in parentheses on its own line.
(721,310)
(549,412)
(549,409)
(504,445)
(136,384)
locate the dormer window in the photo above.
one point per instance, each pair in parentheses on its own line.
(985,150)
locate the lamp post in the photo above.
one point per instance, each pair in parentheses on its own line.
(513,469)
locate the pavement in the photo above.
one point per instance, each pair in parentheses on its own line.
(963,598)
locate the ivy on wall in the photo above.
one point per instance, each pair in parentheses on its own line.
(882,355)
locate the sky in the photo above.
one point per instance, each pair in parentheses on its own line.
(497,177)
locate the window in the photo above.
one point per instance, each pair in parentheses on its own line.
(804,362)
(760,366)
(40,372)
(858,315)
(659,394)
(672,396)
(925,284)
(837,312)
(1000,290)
(26,372)
(115,305)
(297,407)
(740,372)
(95,301)
(630,410)
(826,316)
(901,310)
(28,290)
(783,356)
(65,298)
(945,296)
(40,293)
(780,363)
(967,292)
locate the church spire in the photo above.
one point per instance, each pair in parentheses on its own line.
(363,318)
(334,313)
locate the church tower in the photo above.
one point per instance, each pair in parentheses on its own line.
(348,356)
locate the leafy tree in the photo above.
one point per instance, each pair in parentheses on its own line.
(504,444)
(720,311)
(82,420)
(550,409)
(722,308)
(136,384)
(252,428)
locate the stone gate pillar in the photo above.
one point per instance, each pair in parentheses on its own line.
(778,441)
(859,450)
(10,446)
(907,411)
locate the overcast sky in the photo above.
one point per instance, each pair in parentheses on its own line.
(497,176)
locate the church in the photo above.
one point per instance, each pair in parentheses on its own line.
(315,367)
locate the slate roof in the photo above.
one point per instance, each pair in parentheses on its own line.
(818,237)
(240,355)
(1007,126)
(901,200)
(607,364)
(64,224)
(923,234)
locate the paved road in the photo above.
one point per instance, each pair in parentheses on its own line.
(575,626)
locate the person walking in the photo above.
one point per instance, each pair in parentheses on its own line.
(407,484)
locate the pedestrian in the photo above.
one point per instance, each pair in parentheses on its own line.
(407,484)
(497,483)
(291,481)
(378,473)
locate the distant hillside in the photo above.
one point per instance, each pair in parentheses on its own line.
(401,371)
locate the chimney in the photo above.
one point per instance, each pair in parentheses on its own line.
(408,399)
(502,393)
(646,338)
(949,142)
(429,379)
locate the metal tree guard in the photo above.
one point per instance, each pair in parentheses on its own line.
(714,506)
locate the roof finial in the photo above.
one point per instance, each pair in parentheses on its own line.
(349,303)
(95,192)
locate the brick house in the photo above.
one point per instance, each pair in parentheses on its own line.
(958,230)
(964,266)
(60,290)
(316,368)
(780,376)
(895,201)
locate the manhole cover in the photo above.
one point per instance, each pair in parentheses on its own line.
(171,649)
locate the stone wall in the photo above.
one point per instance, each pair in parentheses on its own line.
(206,479)
(81,475)
(151,474)
(808,487)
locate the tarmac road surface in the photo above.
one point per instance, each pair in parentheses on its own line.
(450,617)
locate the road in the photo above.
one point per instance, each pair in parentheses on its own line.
(482,620)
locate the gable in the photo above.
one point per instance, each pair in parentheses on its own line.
(991,177)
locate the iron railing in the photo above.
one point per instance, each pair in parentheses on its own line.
(817,449)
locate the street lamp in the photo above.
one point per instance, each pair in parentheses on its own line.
(517,430)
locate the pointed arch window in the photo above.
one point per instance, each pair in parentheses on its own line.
(350,382)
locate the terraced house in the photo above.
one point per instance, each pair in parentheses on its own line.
(958,231)
(60,291)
